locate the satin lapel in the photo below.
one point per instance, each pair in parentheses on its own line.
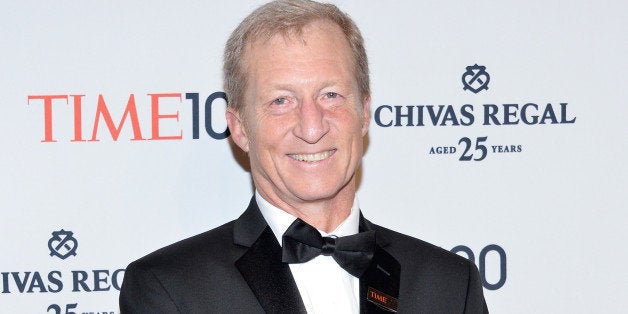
(249,226)
(379,285)
(270,280)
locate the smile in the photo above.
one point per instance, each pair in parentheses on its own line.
(312,157)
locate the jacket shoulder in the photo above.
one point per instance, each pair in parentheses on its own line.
(407,247)
(189,276)
(433,280)
(192,248)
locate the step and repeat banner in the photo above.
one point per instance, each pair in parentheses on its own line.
(498,132)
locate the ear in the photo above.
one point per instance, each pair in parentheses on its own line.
(366,114)
(237,129)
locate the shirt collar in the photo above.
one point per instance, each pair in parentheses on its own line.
(279,220)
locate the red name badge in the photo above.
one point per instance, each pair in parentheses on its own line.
(382,300)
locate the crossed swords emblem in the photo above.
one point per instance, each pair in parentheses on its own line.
(475,78)
(62,244)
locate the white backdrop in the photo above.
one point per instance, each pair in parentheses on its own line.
(554,208)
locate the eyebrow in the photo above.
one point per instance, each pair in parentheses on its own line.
(324,84)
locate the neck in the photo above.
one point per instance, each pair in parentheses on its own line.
(323,214)
(326,217)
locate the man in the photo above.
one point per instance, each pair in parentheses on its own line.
(296,78)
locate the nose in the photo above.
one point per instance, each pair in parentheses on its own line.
(312,124)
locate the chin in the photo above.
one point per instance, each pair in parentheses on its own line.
(319,192)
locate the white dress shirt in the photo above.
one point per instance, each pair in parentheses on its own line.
(324,286)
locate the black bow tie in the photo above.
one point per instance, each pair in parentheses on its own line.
(302,242)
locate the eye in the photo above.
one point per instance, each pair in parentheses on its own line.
(280,101)
(331,95)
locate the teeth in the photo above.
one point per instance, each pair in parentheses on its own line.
(312,157)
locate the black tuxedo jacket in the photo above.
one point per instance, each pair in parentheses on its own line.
(237,268)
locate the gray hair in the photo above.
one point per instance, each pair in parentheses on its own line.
(286,17)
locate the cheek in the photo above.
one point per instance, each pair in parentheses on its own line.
(353,122)
(265,140)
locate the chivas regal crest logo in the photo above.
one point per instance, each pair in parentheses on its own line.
(62,244)
(475,78)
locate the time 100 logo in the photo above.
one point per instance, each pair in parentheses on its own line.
(483,265)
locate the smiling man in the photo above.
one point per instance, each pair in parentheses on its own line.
(296,77)
(303,122)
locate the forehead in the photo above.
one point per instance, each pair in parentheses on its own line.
(320,43)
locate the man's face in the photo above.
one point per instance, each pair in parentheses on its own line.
(304,120)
